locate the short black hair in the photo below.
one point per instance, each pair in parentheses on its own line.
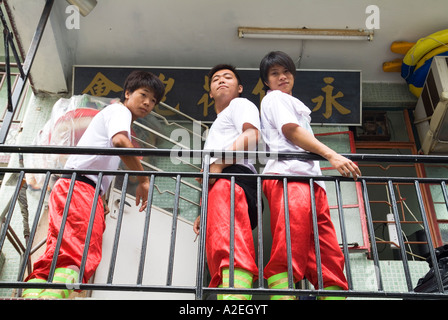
(275,58)
(223,67)
(143,79)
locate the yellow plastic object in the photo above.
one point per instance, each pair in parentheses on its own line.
(425,45)
(392,66)
(431,54)
(401,47)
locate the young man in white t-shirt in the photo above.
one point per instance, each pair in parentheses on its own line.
(285,122)
(110,128)
(236,128)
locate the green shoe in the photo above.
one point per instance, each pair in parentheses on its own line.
(332,298)
(242,279)
(61,275)
(33,293)
(279,281)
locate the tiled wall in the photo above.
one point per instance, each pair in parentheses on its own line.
(392,274)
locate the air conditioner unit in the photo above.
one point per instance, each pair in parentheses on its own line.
(431,116)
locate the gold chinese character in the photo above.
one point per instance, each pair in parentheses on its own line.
(101,86)
(169,84)
(258,90)
(205,98)
(330,100)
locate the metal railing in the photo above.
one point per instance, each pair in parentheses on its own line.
(200,289)
(24,68)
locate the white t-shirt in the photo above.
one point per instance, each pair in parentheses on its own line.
(278,109)
(111,120)
(229,125)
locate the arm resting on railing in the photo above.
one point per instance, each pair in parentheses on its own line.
(305,140)
(120,140)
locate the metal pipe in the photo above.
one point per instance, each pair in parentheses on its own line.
(113,257)
(62,228)
(400,236)
(288,235)
(90,227)
(146,231)
(232,234)
(28,249)
(320,280)
(374,250)
(429,238)
(169,280)
(199,293)
(260,231)
(343,234)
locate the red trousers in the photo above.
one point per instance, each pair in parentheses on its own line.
(75,230)
(218,232)
(302,235)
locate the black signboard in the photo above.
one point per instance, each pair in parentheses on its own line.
(333,96)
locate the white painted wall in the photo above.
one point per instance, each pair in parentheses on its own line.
(157,254)
(47,72)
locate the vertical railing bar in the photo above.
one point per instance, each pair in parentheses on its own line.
(372,237)
(169,279)
(2,83)
(12,205)
(8,71)
(203,226)
(428,237)
(343,234)
(444,192)
(400,235)
(320,280)
(62,228)
(90,227)
(288,235)
(260,232)
(113,257)
(232,233)
(146,231)
(40,205)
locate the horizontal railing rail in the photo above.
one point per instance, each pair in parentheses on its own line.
(200,289)
(261,155)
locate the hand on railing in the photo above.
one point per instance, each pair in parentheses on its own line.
(214,168)
(344,166)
